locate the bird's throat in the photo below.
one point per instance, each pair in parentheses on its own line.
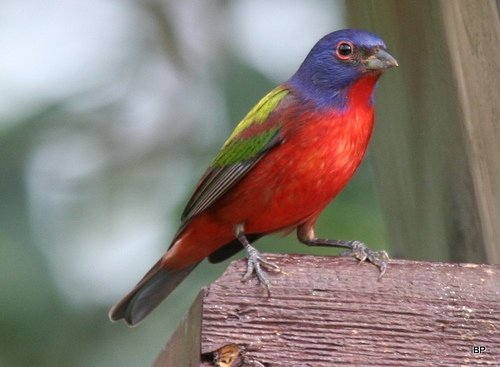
(361,92)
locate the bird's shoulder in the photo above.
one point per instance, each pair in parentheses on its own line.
(257,129)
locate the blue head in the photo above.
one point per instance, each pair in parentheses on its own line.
(336,62)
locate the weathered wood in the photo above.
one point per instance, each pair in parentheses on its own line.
(183,349)
(436,141)
(326,311)
(473,47)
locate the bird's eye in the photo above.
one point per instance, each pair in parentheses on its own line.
(344,50)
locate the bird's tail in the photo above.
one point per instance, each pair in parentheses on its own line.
(156,285)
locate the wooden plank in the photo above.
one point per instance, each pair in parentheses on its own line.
(183,348)
(436,140)
(474,49)
(326,311)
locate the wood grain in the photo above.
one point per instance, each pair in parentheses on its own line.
(183,348)
(328,311)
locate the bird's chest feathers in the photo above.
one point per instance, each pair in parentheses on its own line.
(335,143)
(331,145)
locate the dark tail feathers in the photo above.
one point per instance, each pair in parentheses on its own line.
(156,285)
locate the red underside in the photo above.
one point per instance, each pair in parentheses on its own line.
(292,184)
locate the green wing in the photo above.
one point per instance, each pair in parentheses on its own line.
(241,151)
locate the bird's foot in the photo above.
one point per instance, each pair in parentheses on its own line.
(356,249)
(255,261)
(255,264)
(361,252)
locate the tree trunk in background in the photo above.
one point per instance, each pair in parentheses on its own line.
(437,140)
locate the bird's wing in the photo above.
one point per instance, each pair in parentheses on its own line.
(255,135)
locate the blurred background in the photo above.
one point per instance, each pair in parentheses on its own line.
(109,113)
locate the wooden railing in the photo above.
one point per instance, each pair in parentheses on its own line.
(330,311)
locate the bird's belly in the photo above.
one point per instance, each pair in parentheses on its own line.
(301,188)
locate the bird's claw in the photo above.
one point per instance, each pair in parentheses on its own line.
(255,264)
(361,252)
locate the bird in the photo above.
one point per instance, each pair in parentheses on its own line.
(293,152)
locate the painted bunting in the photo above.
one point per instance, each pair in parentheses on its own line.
(283,163)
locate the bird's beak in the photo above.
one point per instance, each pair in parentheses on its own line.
(380,60)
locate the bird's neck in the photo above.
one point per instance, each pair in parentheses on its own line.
(358,93)
(361,92)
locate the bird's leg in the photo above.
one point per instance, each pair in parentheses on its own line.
(357,249)
(255,261)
